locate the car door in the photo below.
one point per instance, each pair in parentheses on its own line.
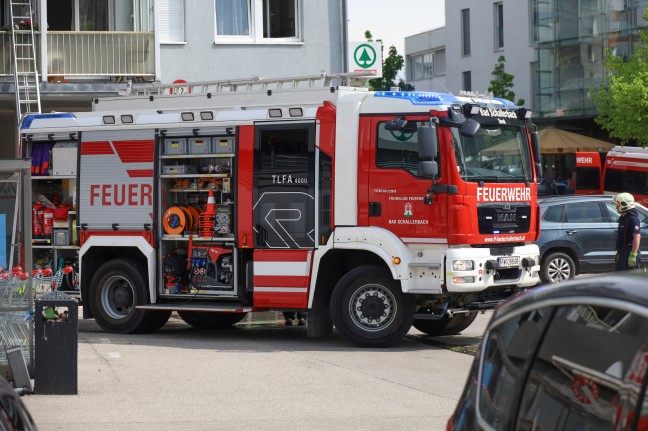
(588,370)
(591,235)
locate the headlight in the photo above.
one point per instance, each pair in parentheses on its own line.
(463,265)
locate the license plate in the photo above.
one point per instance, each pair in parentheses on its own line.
(508,262)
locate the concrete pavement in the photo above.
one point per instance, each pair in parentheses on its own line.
(257,375)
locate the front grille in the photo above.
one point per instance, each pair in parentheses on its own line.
(504,217)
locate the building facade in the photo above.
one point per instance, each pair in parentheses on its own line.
(87,49)
(555,49)
(571,38)
(478,33)
(425,66)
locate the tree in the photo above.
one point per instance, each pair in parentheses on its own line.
(502,83)
(391,66)
(622,102)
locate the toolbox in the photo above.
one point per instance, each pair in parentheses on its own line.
(178,169)
(175,146)
(223,145)
(199,145)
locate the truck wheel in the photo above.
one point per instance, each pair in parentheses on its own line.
(116,288)
(557,267)
(446,325)
(219,320)
(369,308)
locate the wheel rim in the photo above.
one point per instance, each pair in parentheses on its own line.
(117,297)
(559,270)
(372,307)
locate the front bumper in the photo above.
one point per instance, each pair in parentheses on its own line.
(482,268)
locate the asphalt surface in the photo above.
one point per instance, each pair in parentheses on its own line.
(259,375)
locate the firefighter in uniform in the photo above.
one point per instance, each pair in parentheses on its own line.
(628,237)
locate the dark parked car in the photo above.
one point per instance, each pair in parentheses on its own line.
(577,235)
(572,356)
(13,413)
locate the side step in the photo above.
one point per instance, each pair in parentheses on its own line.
(196,307)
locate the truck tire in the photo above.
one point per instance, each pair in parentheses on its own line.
(116,288)
(217,320)
(369,308)
(556,267)
(446,325)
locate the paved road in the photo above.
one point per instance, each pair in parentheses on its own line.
(258,375)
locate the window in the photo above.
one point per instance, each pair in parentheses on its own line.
(101,15)
(621,180)
(587,212)
(426,65)
(399,150)
(499,25)
(257,20)
(465,31)
(171,21)
(585,370)
(554,214)
(507,353)
(467,80)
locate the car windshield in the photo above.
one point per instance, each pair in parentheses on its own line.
(497,153)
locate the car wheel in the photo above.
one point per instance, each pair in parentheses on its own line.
(369,308)
(217,320)
(557,267)
(116,289)
(445,325)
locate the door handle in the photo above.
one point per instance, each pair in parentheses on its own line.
(374,209)
(262,235)
(570,232)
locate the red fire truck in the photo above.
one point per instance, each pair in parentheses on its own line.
(372,211)
(622,169)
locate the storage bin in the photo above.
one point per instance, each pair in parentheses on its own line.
(175,146)
(200,145)
(223,145)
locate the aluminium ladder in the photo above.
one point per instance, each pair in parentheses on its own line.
(251,84)
(26,85)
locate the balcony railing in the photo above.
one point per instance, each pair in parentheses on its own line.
(89,54)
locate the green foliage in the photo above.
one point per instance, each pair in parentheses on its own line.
(502,83)
(391,66)
(623,102)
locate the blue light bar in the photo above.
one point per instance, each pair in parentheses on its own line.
(420,98)
(29,118)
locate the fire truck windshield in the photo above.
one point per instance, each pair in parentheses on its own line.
(497,153)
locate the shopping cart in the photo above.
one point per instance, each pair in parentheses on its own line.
(17,306)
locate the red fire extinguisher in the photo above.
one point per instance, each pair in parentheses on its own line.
(38,219)
(42,221)
(48,222)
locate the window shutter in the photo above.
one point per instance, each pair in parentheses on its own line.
(465,31)
(171,20)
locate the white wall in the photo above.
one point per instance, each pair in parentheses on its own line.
(200,59)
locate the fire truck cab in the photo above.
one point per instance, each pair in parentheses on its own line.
(372,211)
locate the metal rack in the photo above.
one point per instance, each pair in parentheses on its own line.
(16,287)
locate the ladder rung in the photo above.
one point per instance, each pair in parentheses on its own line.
(21,17)
(23,44)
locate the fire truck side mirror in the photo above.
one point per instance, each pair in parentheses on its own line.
(428,142)
(469,128)
(428,169)
(428,147)
(535,146)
